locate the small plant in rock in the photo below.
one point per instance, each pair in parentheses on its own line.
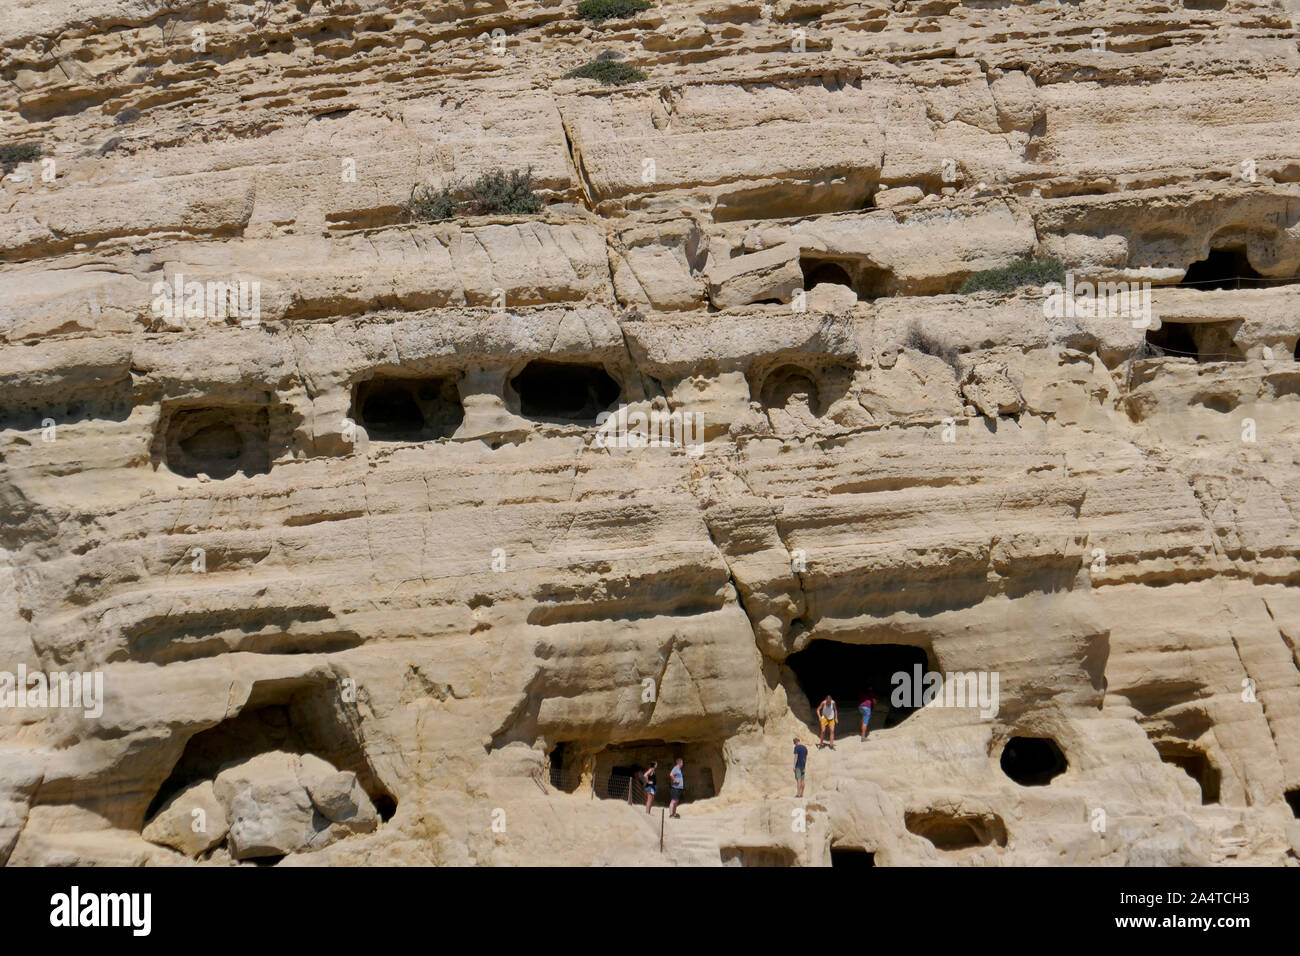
(608,72)
(598,11)
(430,205)
(1009,278)
(917,338)
(11,154)
(507,193)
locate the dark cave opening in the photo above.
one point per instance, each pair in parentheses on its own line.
(852,858)
(1292,798)
(846,671)
(1225,268)
(397,408)
(1172,339)
(1032,761)
(1196,765)
(816,272)
(616,769)
(564,392)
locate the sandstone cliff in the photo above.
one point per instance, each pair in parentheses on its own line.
(366,584)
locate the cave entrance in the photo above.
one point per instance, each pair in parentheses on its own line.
(852,858)
(846,671)
(791,389)
(866,280)
(564,776)
(616,770)
(1172,339)
(1203,341)
(564,393)
(957,832)
(1196,765)
(218,441)
(815,272)
(407,409)
(1224,268)
(1292,798)
(1033,761)
(296,717)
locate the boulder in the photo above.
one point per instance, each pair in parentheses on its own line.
(193,821)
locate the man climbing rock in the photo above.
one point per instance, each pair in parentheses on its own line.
(800,763)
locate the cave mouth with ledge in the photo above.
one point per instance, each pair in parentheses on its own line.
(615,770)
(565,393)
(846,671)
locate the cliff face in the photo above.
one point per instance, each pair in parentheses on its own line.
(366,583)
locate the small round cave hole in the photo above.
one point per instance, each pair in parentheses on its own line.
(1033,761)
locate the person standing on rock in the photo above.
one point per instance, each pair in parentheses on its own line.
(865,706)
(800,764)
(649,778)
(827,714)
(676,787)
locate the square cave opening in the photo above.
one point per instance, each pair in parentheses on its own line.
(404,408)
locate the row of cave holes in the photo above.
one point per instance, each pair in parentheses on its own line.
(1227,267)
(393,408)
(421,409)
(220,441)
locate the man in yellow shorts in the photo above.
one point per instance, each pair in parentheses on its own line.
(827,714)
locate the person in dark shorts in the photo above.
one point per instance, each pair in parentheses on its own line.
(649,778)
(800,763)
(676,787)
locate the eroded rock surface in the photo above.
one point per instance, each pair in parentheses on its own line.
(370,580)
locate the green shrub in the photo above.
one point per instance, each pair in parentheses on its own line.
(1009,278)
(430,205)
(505,193)
(496,192)
(607,72)
(11,154)
(598,11)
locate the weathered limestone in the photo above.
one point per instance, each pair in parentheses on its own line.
(361,592)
